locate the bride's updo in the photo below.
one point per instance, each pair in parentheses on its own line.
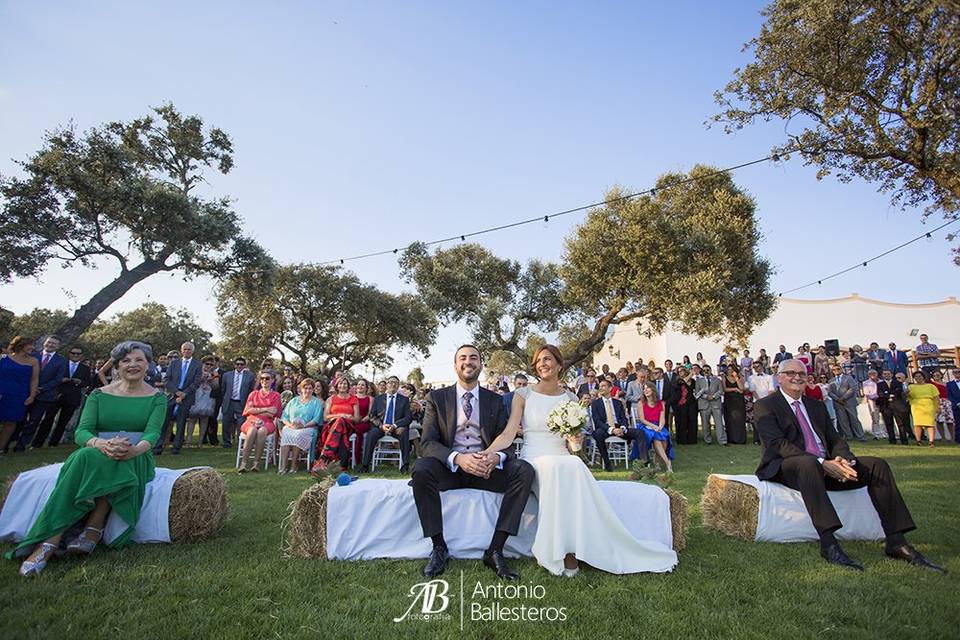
(555,352)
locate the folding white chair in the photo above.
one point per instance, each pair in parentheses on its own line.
(618,450)
(383,453)
(269,449)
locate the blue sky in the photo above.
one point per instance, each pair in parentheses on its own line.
(363,126)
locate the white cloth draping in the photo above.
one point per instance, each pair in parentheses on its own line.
(782,516)
(30,491)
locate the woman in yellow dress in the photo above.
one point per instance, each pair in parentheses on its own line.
(924,401)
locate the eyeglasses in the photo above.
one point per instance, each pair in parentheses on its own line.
(76,353)
(794,374)
(267,378)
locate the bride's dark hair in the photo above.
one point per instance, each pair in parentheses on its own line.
(553,351)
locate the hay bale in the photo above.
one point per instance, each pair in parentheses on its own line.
(678,518)
(305,527)
(730,507)
(198,505)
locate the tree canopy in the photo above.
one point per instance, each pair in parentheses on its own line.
(687,256)
(322,317)
(868,89)
(126,192)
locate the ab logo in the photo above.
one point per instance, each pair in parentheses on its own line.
(433,600)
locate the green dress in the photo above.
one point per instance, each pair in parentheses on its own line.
(88,474)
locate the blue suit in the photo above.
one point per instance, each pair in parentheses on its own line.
(953,394)
(899,366)
(51,376)
(601,429)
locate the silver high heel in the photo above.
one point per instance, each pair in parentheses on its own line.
(34,567)
(82,545)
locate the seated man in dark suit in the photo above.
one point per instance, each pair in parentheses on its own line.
(803,452)
(389,416)
(610,419)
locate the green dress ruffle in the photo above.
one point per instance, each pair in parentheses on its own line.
(88,474)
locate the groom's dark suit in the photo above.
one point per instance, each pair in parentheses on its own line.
(438,441)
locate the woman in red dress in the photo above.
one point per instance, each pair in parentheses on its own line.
(813,389)
(364,403)
(262,408)
(339,417)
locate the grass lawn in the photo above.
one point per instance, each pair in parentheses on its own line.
(239,586)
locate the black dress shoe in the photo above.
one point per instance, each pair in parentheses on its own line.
(496,561)
(365,469)
(437,563)
(835,555)
(909,554)
(405,469)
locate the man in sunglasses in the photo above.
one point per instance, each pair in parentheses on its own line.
(69,397)
(802,451)
(235,386)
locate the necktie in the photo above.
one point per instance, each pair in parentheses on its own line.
(237,381)
(467,403)
(608,405)
(810,441)
(46,359)
(388,416)
(183,373)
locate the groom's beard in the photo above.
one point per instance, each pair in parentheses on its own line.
(468,377)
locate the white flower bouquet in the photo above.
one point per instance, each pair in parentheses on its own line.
(567,419)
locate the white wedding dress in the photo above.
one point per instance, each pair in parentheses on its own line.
(573,514)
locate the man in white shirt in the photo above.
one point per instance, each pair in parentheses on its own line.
(760,385)
(453,458)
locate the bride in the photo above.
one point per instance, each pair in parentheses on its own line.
(574,520)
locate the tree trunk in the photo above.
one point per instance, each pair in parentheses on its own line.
(91,310)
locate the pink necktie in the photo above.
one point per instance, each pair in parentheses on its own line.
(812,446)
(46,359)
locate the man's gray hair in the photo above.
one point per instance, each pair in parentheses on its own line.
(120,351)
(784,363)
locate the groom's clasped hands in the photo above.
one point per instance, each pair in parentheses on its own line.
(477,464)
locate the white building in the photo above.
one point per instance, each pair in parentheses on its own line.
(851,320)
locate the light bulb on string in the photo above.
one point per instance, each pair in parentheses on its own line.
(546,222)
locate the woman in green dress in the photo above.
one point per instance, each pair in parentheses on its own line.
(103,474)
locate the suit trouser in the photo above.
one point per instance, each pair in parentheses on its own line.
(896,412)
(713,409)
(28,427)
(373,435)
(431,476)
(805,474)
(630,435)
(847,421)
(232,410)
(178,413)
(62,412)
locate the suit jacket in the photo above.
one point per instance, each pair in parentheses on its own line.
(192,379)
(229,381)
(780,357)
(51,376)
(782,437)
(585,389)
(668,383)
(844,392)
(634,392)
(899,366)
(401,411)
(885,390)
(440,422)
(953,394)
(599,414)
(70,393)
(703,388)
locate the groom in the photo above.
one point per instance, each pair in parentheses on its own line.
(459,422)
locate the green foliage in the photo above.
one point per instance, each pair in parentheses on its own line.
(123,191)
(325,317)
(868,89)
(416,377)
(688,256)
(165,328)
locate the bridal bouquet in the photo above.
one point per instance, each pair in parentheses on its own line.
(567,419)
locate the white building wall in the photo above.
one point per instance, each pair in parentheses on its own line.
(851,320)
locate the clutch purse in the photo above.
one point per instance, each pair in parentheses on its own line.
(133,436)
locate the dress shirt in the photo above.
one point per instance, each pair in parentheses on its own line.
(806,415)
(474,419)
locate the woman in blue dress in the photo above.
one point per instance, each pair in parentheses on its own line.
(19,376)
(650,420)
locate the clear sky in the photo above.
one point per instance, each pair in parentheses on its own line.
(364,126)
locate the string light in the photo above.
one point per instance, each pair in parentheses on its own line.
(928,234)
